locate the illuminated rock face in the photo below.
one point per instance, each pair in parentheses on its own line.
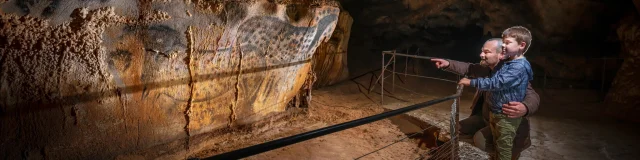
(95,79)
(331,57)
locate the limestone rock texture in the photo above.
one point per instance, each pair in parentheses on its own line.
(330,59)
(623,99)
(97,79)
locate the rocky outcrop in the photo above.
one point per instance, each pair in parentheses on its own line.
(94,79)
(623,99)
(330,59)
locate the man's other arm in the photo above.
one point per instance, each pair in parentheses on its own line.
(509,76)
(531,100)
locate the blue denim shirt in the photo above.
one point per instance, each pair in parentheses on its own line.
(507,84)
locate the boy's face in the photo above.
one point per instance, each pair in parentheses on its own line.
(512,47)
(490,55)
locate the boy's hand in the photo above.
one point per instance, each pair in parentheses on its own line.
(440,63)
(465,82)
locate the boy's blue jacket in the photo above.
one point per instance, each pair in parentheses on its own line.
(508,84)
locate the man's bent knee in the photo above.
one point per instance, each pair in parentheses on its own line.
(479,141)
(471,125)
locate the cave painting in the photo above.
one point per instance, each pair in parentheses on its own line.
(276,45)
(258,73)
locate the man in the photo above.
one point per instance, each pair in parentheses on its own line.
(477,123)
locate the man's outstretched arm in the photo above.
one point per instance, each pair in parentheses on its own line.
(462,68)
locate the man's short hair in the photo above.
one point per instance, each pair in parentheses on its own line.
(499,44)
(521,34)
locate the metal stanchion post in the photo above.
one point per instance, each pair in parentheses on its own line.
(382,81)
(453,129)
(393,74)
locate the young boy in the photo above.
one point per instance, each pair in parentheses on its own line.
(508,83)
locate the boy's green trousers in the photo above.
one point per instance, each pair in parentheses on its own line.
(504,131)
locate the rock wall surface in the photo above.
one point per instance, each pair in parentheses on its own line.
(95,79)
(330,64)
(623,99)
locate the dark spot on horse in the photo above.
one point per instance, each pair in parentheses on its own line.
(235,12)
(270,7)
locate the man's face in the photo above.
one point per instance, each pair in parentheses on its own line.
(511,46)
(489,55)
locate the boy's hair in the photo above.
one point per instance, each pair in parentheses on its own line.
(521,34)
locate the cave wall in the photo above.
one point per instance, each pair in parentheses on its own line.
(569,39)
(94,79)
(623,99)
(568,36)
(330,59)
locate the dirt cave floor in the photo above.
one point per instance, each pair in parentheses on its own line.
(329,106)
(566,126)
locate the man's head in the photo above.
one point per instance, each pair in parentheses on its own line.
(517,40)
(491,52)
